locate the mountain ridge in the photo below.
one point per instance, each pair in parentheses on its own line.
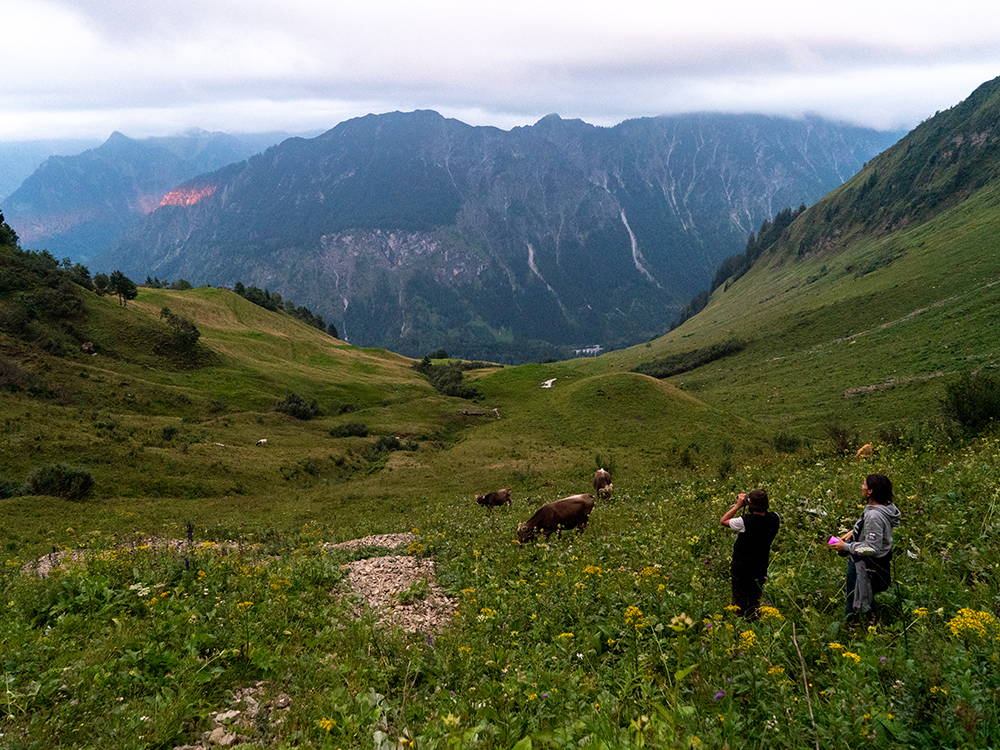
(412,231)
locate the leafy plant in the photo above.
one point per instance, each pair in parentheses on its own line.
(349,429)
(295,406)
(59,480)
(972,400)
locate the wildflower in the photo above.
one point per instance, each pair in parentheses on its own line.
(533,696)
(776,670)
(465,649)
(633,616)
(450,720)
(694,742)
(244,606)
(836,646)
(592,570)
(748,639)
(936,689)
(649,571)
(921,611)
(851,655)
(718,695)
(971,620)
(681,622)
(565,635)
(766,612)
(732,608)
(327,724)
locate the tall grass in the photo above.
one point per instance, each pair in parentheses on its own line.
(621,636)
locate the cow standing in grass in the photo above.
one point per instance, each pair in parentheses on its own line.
(602,484)
(571,512)
(494,499)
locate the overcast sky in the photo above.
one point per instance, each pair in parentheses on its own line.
(84,68)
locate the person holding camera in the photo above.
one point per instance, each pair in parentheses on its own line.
(868,546)
(757,528)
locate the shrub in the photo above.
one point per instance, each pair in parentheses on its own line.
(59,480)
(840,436)
(8,488)
(972,400)
(296,406)
(351,429)
(686,361)
(786,443)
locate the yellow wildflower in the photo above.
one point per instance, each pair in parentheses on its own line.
(851,655)
(836,646)
(971,620)
(776,670)
(766,612)
(327,724)
(565,635)
(633,616)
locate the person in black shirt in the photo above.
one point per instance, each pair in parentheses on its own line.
(752,550)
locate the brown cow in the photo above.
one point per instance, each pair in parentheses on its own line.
(571,512)
(602,483)
(493,499)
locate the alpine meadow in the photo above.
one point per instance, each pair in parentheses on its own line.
(181,471)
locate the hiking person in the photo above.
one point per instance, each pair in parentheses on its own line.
(868,547)
(757,528)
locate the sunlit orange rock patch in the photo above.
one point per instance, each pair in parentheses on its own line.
(187,196)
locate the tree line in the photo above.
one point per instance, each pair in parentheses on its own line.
(732,268)
(276,303)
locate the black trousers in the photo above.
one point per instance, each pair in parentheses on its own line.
(746,595)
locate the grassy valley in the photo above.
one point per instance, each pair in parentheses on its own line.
(618,637)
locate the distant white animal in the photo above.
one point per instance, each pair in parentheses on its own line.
(262,441)
(548,383)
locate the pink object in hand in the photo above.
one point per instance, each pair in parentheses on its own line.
(832,540)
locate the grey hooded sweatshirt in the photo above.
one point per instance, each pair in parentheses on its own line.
(872,535)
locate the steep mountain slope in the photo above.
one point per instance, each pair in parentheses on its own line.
(411,231)
(76,205)
(871,299)
(18,159)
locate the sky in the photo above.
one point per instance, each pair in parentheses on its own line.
(85,68)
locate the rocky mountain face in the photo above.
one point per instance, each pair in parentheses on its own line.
(414,232)
(77,205)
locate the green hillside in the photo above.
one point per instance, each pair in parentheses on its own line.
(862,328)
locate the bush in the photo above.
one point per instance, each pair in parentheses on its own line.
(686,361)
(9,488)
(296,406)
(973,401)
(351,429)
(59,480)
(785,442)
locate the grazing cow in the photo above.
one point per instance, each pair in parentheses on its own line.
(571,512)
(602,483)
(262,441)
(493,499)
(864,450)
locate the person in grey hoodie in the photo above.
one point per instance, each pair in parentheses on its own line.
(869,546)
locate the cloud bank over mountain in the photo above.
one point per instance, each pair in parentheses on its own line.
(83,68)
